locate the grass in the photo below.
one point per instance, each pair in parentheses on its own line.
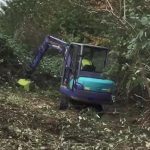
(32,121)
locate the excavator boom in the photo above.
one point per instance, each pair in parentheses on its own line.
(49,42)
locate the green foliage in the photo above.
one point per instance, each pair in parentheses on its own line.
(10,51)
(128,30)
(12,59)
(131,50)
(34,20)
(52,65)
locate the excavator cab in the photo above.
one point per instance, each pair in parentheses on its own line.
(82,78)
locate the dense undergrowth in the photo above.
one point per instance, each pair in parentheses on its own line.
(15,58)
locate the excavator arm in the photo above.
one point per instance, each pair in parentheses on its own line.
(49,42)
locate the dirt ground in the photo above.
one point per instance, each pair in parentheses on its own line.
(32,121)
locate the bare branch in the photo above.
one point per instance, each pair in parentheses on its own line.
(142,98)
(124,12)
(109,9)
(123,21)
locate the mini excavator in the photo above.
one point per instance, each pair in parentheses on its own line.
(82,77)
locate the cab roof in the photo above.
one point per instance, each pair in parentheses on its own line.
(89,45)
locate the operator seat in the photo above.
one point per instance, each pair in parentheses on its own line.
(87,65)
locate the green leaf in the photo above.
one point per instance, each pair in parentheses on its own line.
(140,35)
(144,21)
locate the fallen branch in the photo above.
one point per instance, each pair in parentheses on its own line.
(142,98)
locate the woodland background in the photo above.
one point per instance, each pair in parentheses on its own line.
(121,25)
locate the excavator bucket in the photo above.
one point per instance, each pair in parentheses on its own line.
(25,83)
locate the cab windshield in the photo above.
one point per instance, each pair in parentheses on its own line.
(93,59)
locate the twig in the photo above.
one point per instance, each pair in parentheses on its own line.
(120,1)
(124,21)
(110,113)
(142,98)
(124,12)
(110,5)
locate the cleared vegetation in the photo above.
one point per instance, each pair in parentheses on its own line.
(33,121)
